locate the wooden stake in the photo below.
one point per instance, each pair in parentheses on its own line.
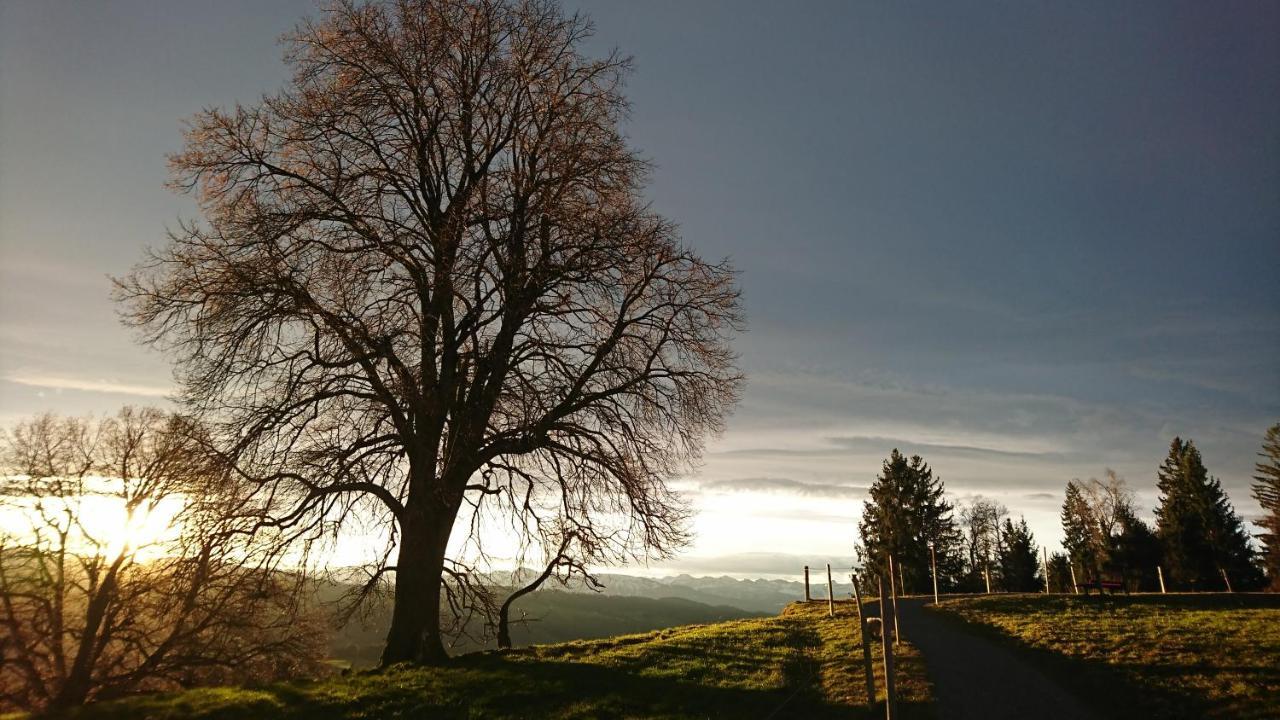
(933,564)
(1046,570)
(831,595)
(893,600)
(886,647)
(1160,574)
(1074,585)
(1226,579)
(866,643)
(806,583)
(986,575)
(902,582)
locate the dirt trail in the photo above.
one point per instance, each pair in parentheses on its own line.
(977,678)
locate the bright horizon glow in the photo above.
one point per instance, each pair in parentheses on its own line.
(105,526)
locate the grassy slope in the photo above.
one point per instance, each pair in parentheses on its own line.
(800,663)
(1148,655)
(555,616)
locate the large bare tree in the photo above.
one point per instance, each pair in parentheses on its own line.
(128,565)
(426,286)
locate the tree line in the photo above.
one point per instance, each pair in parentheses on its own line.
(1197,543)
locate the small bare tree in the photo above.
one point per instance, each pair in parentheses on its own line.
(427,285)
(980,522)
(563,563)
(127,565)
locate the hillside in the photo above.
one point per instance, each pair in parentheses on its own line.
(796,664)
(548,616)
(1151,656)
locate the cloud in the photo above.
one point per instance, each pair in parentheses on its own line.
(784,486)
(868,443)
(754,564)
(1041,496)
(85,385)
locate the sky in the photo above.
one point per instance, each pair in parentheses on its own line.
(1029,241)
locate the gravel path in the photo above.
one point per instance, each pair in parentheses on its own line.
(976,678)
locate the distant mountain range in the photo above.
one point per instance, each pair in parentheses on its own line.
(763,596)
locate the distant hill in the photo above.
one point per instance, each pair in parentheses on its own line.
(761,596)
(628,604)
(550,616)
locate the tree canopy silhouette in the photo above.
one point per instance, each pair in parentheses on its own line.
(907,513)
(1266,490)
(129,564)
(426,287)
(1205,544)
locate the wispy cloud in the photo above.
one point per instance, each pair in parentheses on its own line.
(784,486)
(88,385)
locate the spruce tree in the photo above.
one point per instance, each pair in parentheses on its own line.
(1266,490)
(1019,564)
(907,512)
(1079,534)
(1201,534)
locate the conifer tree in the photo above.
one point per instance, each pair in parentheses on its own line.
(1201,534)
(1079,531)
(907,512)
(1019,564)
(1266,490)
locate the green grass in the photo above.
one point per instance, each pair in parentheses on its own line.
(799,663)
(1167,656)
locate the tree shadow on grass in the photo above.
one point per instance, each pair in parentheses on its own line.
(494,686)
(1126,690)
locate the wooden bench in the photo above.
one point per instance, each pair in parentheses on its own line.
(1102,585)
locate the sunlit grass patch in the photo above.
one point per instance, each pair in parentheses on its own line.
(797,664)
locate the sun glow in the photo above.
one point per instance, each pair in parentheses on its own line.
(98,523)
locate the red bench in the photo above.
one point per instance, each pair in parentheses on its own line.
(1102,585)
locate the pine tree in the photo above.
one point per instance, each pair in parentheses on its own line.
(1079,529)
(1201,534)
(1019,565)
(905,514)
(1266,490)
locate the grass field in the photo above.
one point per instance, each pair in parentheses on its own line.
(1167,656)
(797,664)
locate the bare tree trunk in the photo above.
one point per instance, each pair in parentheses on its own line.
(415,618)
(504,613)
(75,690)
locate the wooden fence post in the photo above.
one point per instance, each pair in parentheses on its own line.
(1046,570)
(893,600)
(886,648)
(806,583)
(902,582)
(1160,574)
(986,575)
(933,564)
(1074,585)
(831,594)
(1226,579)
(866,642)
